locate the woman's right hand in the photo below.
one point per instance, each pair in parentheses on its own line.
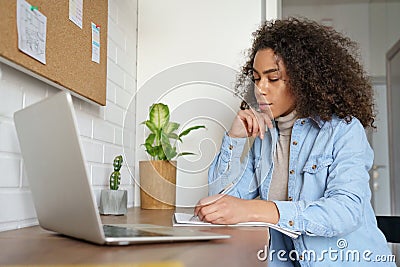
(249,122)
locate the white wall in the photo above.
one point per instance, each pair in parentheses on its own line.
(102,129)
(348,17)
(373,24)
(384,29)
(174,37)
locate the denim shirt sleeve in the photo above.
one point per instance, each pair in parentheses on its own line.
(227,168)
(340,210)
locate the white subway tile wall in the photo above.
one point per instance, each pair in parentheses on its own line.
(105,131)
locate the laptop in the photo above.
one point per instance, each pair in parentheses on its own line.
(61,191)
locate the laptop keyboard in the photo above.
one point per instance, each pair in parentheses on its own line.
(118,231)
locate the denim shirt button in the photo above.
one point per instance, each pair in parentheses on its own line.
(291,223)
(302,122)
(294,143)
(291,172)
(314,167)
(290,198)
(230,147)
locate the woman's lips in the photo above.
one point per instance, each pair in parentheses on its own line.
(264,106)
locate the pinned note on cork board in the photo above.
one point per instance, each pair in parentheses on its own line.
(67,62)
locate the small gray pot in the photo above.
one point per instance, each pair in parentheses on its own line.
(113,202)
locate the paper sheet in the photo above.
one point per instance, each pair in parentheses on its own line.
(76,12)
(31,26)
(95,43)
(185,219)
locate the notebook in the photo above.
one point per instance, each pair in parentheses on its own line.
(61,191)
(186,219)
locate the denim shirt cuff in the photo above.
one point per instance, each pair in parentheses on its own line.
(232,147)
(289,216)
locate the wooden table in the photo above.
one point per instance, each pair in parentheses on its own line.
(35,246)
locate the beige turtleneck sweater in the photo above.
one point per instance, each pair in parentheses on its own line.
(279,184)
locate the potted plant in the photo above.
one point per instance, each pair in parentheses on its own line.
(158,175)
(114,201)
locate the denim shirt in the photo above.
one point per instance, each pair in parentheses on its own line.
(328,192)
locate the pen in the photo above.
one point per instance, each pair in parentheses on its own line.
(223,191)
(226,189)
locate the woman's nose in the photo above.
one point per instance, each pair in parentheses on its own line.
(262,86)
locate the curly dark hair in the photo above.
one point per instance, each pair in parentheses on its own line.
(324,73)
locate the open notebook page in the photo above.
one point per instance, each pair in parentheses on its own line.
(186,219)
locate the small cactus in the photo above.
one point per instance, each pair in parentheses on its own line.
(115,177)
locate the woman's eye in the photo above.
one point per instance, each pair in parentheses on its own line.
(256,78)
(273,79)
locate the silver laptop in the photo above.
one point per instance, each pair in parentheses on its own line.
(62,195)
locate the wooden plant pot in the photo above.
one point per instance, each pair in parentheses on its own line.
(113,202)
(157,184)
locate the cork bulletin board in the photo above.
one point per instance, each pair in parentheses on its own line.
(69,62)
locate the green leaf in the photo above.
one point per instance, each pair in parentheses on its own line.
(187,131)
(152,151)
(159,115)
(173,136)
(152,127)
(160,153)
(171,127)
(150,139)
(164,139)
(185,153)
(170,152)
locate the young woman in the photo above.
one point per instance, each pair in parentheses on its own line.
(310,101)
